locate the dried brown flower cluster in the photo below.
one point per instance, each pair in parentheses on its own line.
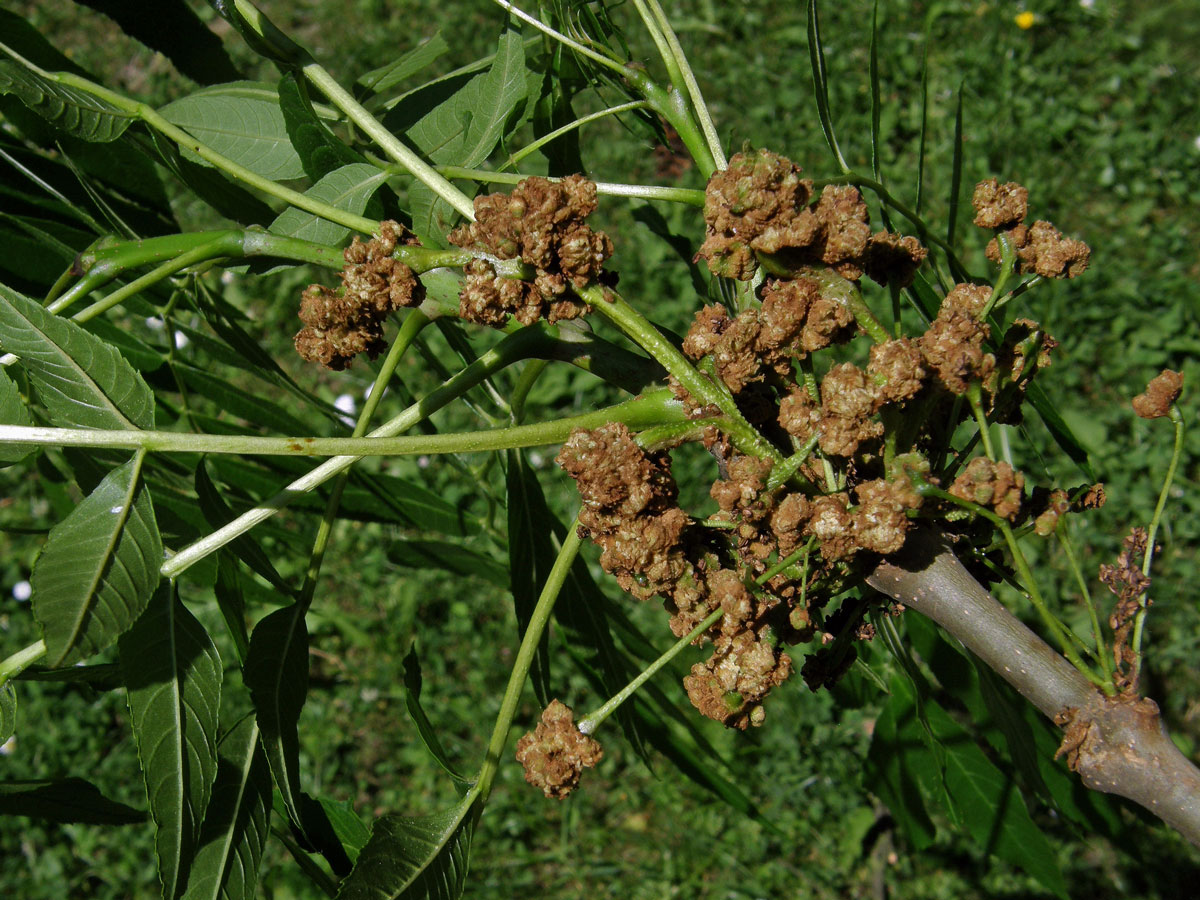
(1126,580)
(1041,247)
(556,753)
(760,204)
(1160,394)
(340,325)
(541,224)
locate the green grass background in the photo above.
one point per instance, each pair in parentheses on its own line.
(1093,108)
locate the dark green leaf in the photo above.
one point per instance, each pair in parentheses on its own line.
(102,677)
(320,152)
(175,31)
(455,558)
(531,555)
(1060,430)
(70,108)
(64,800)
(920,192)
(405,65)
(83,382)
(412,702)
(415,857)
(899,764)
(98,569)
(212,187)
(955,170)
(243,122)
(8,711)
(349,188)
(138,353)
(347,826)
(235,827)
(232,601)
(876,106)
(13,412)
(173,676)
(255,410)
(276,674)
(218,513)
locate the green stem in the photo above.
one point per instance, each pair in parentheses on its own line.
(659,408)
(1102,654)
(388,142)
(781,472)
(554,135)
(591,722)
(789,560)
(1008,258)
(613,307)
(1177,420)
(689,196)
(19,661)
(975,399)
(689,85)
(538,621)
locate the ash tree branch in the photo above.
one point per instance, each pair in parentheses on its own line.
(1118,745)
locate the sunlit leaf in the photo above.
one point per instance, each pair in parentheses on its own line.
(405,65)
(65,800)
(243,122)
(349,188)
(320,151)
(98,569)
(415,857)
(8,711)
(347,826)
(83,382)
(173,676)
(236,824)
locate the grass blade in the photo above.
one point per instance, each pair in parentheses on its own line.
(956,170)
(924,127)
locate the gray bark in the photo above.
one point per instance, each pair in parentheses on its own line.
(1118,745)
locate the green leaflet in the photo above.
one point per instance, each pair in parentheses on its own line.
(276,674)
(449,557)
(173,678)
(405,65)
(8,711)
(243,122)
(320,152)
(69,108)
(65,800)
(12,412)
(82,381)
(98,569)
(236,823)
(413,857)
(428,734)
(349,188)
(465,129)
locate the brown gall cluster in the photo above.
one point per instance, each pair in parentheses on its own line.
(652,547)
(555,754)
(1160,395)
(1129,584)
(1040,247)
(760,204)
(541,224)
(339,325)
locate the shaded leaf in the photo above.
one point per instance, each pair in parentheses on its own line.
(448,557)
(13,412)
(72,109)
(175,31)
(1060,430)
(412,702)
(320,151)
(8,711)
(243,122)
(236,824)
(276,674)
(349,188)
(98,569)
(955,170)
(347,826)
(218,513)
(415,856)
(173,676)
(83,382)
(212,187)
(531,556)
(64,800)
(102,677)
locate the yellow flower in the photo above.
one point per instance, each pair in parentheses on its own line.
(1024,20)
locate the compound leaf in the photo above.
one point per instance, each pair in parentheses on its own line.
(70,108)
(349,188)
